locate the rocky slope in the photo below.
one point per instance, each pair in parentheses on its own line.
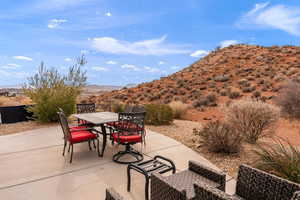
(225,74)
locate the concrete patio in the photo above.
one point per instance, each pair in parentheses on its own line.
(32,167)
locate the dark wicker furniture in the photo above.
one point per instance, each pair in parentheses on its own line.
(129,130)
(180,185)
(111,194)
(253,184)
(158,164)
(76,135)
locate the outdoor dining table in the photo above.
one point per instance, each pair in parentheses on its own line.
(99,119)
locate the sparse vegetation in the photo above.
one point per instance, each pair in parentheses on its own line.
(179,109)
(50,90)
(220,137)
(159,114)
(289,99)
(280,159)
(254,119)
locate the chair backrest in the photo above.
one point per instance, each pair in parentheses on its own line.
(161,189)
(256,184)
(132,122)
(111,194)
(64,125)
(86,108)
(205,191)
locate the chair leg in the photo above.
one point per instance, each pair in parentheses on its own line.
(69,148)
(128,179)
(90,145)
(65,144)
(98,147)
(71,153)
(94,144)
(147,188)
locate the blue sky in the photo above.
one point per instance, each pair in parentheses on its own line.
(134,41)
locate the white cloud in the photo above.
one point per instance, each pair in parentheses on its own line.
(23,58)
(55,23)
(111,62)
(161,62)
(11,66)
(264,15)
(199,53)
(97,68)
(227,43)
(131,67)
(108,14)
(151,69)
(19,74)
(147,47)
(175,67)
(68,59)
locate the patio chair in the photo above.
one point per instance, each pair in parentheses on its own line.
(76,135)
(111,194)
(254,184)
(180,185)
(85,108)
(128,131)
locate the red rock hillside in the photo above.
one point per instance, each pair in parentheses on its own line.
(225,74)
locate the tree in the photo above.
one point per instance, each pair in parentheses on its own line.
(50,90)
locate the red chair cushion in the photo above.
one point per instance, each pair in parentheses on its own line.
(80,136)
(77,128)
(126,138)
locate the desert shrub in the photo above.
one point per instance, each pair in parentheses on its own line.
(254,119)
(158,114)
(289,99)
(234,93)
(50,90)
(117,107)
(202,101)
(220,137)
(179,109)
(281,159)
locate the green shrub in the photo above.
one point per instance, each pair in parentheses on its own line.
(117,107)
(254,119)
(179,109)
(220,137)
(281,159)
(50,90)
(289,99)
(158,114)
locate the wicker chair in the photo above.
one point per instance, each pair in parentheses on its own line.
(111,194)
(253,184)
(180,185)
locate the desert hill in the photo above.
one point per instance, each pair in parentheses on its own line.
(224,74)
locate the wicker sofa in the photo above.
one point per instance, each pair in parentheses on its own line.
(252,184)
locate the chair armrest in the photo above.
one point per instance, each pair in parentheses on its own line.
(205,191)
(209,173)
(111,194)
(296,196)
(168,160)
(161,189)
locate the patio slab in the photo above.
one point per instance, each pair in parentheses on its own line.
(32,167)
